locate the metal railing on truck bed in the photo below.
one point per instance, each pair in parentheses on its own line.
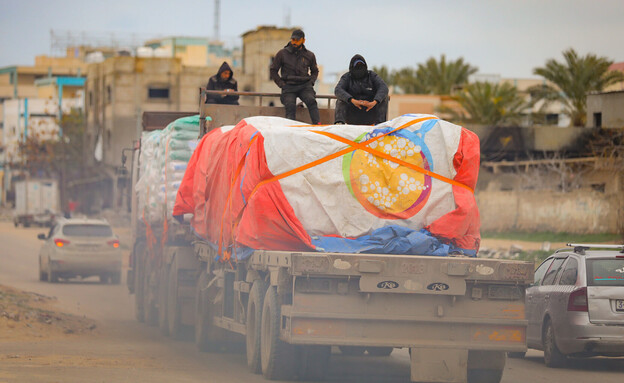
(221,114)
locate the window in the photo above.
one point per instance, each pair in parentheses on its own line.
(552,119)
(570,272)
(597,120)
(541,270)
(158,92)
(87,231)
(605,272)
(551,275)
(90,98)
(109,94)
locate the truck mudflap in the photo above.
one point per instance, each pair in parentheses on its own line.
(403,301)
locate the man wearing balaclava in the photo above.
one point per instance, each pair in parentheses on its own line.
(297,74)
(223,80)
(362,95)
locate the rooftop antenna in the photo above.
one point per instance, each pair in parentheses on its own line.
(217,12)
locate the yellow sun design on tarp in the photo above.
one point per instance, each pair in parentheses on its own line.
(385,188)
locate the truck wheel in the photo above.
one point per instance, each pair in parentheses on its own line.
(173,303)
(313,362)
(149,303)
(277,356)
(52,276)
(254,322)
(379,351)
(552,356)
(352,350)
(207,335)
(486,366)
(139,274)
(163,323)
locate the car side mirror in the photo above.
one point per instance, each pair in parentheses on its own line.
(42,236)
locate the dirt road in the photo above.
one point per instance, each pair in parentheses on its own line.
(119,349)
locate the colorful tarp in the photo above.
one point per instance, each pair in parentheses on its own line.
(272,183)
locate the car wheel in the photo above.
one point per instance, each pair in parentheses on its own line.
(52,276)
(43,276)
(552,356)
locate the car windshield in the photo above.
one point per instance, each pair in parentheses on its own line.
(605,272)
(87,231)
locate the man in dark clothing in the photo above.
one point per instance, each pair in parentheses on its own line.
(362,95)
(223,80)
(297,76)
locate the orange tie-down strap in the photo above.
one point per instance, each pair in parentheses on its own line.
(363,146)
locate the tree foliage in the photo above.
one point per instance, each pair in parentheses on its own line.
(490,104)
(432,77)
(570,82)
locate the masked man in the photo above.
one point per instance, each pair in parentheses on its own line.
(362,95)
(223,80)
(297,74)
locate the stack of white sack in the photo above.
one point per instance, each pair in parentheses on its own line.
(165,161)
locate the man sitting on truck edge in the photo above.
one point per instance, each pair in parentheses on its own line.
(298,73)
(362,95)
(223,80)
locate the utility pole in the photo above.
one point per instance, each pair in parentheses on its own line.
(217,14)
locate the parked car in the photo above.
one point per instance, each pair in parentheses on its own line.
(575,307)
(80,247)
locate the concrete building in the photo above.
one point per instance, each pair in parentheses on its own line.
(605,110)
(120,89)
(193,51)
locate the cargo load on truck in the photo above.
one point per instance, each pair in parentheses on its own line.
(405,186)
(164,157)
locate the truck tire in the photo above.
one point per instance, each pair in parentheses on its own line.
(149,296)
(352,350)
(207,335)
(254,325)
(552,356)
(139,255)
(173,303)
(379,351)
(163,323)
(277,357)
(313,362)
(486,366)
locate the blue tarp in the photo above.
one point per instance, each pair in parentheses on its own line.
(391,239)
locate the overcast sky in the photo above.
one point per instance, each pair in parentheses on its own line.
(509,38)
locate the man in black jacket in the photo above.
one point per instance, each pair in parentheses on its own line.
(362,95)
(223,80)
(298,73)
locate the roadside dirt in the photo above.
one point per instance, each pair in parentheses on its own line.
(28,316)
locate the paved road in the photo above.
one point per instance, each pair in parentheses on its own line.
(127,351)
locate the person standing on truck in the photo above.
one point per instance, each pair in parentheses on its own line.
(223,80)
(362,95)
(298,73)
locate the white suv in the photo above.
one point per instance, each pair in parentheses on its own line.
(575,307)
(80,247)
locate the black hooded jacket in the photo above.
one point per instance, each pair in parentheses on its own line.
(370,87)
(217,83)
(298,67)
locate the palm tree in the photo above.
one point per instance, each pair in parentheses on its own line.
(572,80)
(442,77)
(490,104)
